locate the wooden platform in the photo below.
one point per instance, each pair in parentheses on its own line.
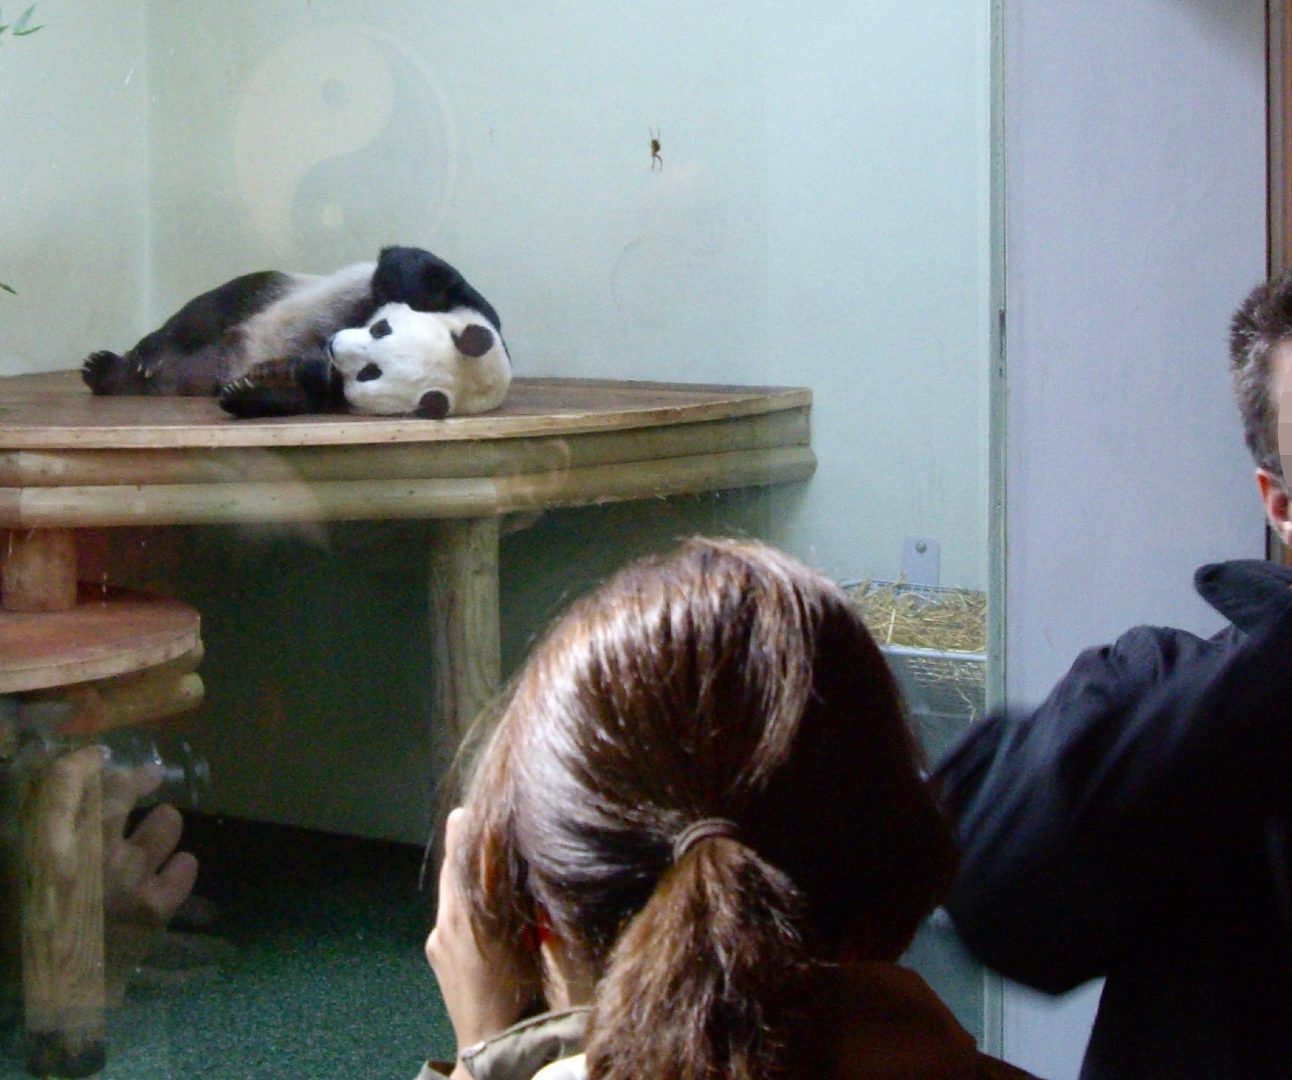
(106,634)
(55,410)
(69,460)
(111,659)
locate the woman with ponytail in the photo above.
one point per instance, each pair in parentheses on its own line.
(695,843)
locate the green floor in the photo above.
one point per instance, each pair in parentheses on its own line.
(314,967)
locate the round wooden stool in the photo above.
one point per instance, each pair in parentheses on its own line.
(74,664)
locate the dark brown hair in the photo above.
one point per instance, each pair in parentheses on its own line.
(724,681)
(1262,320)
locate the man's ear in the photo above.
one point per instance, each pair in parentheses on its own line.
(1274,497)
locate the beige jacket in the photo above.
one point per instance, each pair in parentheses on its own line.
(873,1022)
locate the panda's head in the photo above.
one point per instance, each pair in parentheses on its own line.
(431,364)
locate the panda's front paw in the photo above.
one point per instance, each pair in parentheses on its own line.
(248,400)
(104,372)
(320,381)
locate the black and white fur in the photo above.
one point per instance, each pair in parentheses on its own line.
(264,343)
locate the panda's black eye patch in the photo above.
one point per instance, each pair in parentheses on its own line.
(381,328)
(368,372)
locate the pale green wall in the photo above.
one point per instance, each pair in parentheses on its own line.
(821,219)
(73,182)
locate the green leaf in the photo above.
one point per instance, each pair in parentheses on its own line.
(20,27)
(10,291)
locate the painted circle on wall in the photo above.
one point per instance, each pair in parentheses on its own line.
(341,135)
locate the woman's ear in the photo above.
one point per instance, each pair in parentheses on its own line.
(565,981)
(539,933)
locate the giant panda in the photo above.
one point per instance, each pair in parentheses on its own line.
(406,334)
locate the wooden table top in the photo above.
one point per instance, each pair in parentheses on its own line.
(56,410)
(68,458)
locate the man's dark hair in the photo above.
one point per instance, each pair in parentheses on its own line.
(1261,322)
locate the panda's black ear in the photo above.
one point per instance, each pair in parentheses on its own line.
(475,340)
(434,405)
(413,276)
(425,282)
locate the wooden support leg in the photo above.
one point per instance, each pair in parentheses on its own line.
(61,900)
(38,570)
(10,923)
(465,645)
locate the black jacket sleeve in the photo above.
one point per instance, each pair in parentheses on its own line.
(1145,775)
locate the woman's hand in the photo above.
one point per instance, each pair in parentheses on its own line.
(483,991)
(145,879)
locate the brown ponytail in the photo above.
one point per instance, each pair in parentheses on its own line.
(731,682)
(705,981)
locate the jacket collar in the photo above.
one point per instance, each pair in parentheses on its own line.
(1248,592)
(873,1020)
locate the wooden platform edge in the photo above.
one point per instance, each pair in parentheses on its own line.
(75,467)
(358,500)
(95,640)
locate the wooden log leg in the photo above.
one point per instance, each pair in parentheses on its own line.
(10,925)
(465,645)
(61,900)
(38,570)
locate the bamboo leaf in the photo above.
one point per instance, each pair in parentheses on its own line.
(10,291)
(20,27)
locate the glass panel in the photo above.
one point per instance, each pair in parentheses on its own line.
(731,194)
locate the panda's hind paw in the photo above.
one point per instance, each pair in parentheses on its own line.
(103,371)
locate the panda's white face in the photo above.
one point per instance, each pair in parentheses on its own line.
(429,363)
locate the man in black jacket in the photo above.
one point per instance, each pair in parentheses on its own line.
(1138,824)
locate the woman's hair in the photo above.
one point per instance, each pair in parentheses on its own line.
(725,681)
